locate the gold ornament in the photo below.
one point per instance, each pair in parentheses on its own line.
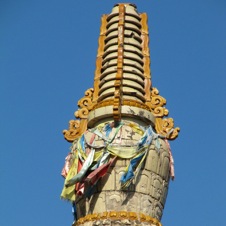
(118,215)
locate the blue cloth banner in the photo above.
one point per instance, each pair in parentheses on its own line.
(130,173)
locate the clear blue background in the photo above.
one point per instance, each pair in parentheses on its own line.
(47,61)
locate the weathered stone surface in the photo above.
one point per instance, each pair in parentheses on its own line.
(108,182)
(152,161)
(97,203)
(140,201)
(147,194)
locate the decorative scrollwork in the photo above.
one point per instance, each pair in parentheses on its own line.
(156,104)
(160,111)
(82,113)
(165,128)
(87,100)
(78,127)
(72,131)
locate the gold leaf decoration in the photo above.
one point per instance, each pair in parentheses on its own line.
(166,128)
(163,126)
(118,215)
(72,131)
(78,127)
(87,100)
(160,111)
(82,113)
(156,104)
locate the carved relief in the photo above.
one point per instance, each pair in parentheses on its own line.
(158,209)
(134,202)
(108,195)
(164,195)
(143,183)
(164,168)
(146,204)
(157,191)
(113,201)
(152,161)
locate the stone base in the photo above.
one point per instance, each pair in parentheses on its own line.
(114,218)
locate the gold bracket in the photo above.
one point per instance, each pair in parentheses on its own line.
(78,127)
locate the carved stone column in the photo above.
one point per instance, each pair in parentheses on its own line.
(143,201)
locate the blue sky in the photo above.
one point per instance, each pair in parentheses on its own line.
(47,61)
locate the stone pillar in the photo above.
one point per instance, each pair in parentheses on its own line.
(143,201)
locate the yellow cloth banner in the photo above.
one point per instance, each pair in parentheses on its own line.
(69,192)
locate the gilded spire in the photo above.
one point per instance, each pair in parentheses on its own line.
(120,164)
(122,82)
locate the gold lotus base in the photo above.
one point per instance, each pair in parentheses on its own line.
(117,216)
